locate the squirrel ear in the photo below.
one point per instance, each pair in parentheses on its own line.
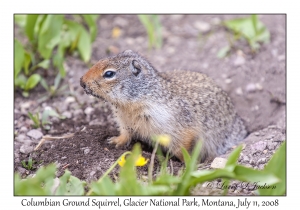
(135,67)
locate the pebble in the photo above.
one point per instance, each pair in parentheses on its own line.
(271,145)
(70,99)
(35,134)
(218,163)
(89,110)
(21,138)
(251,88)
(239,91)
(67,114)
(120,21)
(202,26)
(239,60)
(64,157)
(22,170)
(246,159)
(26,149)
(92,173)
(261,161)
(95,122)
(78,112)
(256,133)
(86,151)
(23,129)
(260,146)
(228,81)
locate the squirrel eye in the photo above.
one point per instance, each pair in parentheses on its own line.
(109,74)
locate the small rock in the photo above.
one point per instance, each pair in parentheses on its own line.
(25,106)
(271,145)
(218,163)
(228,81)
(23,129)
(216,21)
(259,86)
(22,170)
(239,91)
(203,27)
(239,60)
(252,162)
(89,110)
(26,149)
(21,138)
(86,151)
(78,112)
(70,99)
(120,21)
(35,134)
(92,173)
(67,114)
(256,133)
(95,122)
(265,151)
(64,157)
(260,146)
(176,17)
(281,57)
(261,161)
(251,88)
(246,159)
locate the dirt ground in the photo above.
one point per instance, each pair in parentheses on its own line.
(255,82)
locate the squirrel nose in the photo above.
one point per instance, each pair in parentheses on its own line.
(82,83)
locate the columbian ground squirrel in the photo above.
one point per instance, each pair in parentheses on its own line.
(187,106)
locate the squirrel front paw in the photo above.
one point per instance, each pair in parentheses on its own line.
(118,140)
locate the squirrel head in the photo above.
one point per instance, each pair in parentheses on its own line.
(120,79)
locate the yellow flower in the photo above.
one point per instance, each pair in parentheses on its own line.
(141,161)
(164,140)
(122,161)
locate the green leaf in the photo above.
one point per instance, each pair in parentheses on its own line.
(128,184)
(32,81)
(44,64)
(153,28)
(251,29)
(44,84)
(20,20)
(49,34)
(234,156)
(223,52)
(185,184)
(57,81)
(39,185)
(35,118)
(19,56)
(277,166)
(251,175)
(70,185)
(84,45)
(30,25)
(27,61)
(105,187)
(91,22)
(20,81)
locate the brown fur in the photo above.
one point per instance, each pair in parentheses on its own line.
(188,106)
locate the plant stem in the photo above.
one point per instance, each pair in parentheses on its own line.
(152,162)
